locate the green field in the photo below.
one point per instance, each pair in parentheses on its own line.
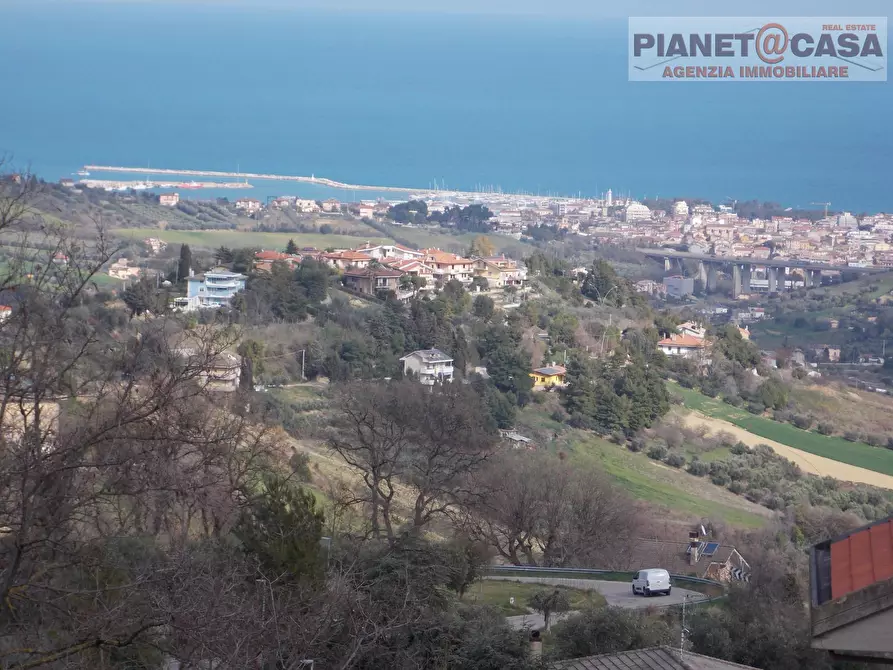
(835,448)
(213,239)
(496,593)
(643,478)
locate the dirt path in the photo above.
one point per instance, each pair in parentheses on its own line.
(811,463)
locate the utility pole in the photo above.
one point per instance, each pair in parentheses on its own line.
(303,378)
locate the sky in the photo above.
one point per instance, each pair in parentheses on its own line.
(579,8)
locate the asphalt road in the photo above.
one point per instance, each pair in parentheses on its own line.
(618,594)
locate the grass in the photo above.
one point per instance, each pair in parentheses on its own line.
(213,239)
(834,448)
(641,477)
(496,593)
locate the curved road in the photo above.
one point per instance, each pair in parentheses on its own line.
(618,594)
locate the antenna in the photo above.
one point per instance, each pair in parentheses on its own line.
(684,630)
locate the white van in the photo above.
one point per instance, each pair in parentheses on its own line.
(649,582)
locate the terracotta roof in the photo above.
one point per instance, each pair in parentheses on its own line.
(862,558)
(349,256)
(683,341)
(652,658)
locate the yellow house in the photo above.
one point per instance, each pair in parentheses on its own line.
(552,375)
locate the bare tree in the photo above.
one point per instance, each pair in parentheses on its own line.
(427,440)
(538,509)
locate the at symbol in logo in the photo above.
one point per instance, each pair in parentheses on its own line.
(772,39)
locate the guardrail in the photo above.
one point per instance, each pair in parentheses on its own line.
(508,571)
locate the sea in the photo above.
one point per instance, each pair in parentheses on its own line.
(533,104)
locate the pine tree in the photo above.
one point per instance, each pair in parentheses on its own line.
(291,247)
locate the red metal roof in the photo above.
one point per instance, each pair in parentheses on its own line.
(861,559)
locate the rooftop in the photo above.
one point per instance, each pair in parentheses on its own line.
(430,356)
(373,272)
(653,658)
(683,341)
(551,370)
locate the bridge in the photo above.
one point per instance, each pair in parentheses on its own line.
(742,269)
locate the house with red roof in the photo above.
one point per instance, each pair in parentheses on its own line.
(347,259)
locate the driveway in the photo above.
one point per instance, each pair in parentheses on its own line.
(618,594)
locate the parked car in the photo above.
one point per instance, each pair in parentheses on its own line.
(651,581)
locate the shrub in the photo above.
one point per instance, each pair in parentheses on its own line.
(739,449)
(698,468)
(657,452)
(802,421)
(737,488)
(733,400)
(755,408)
(720,479)
(675,460)
(636,444)
(825,428)
(876,440)
(851,436)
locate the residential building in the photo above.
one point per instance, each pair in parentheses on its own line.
(685,346)
(680,208)
(155,245)
(216,287)
(413,268)
(169,199)
(5,312)
(851,594)
(263,260)
(372,280)
(679,287)
(693,329)
(636,211)
(331,205)
(249,205)
(428,366)
(650,658)
(549,376)
(222,372)
(121,269)
(186,304)
(449,266)
(382,252)
(347,259)
(499,271)
(306,206)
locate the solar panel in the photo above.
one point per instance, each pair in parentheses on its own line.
(711,548)
(700,549)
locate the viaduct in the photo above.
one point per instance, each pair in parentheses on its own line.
(742,269)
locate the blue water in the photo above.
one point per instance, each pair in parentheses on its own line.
(522,103)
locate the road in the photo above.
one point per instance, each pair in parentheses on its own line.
(618,594)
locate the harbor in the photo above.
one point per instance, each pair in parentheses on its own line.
(242,177)
(116,185)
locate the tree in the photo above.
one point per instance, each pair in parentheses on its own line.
(481,246)
(484,307)
(252,353)
(547,602)
(534,507)
(142,296)
(185,264)
(607,630)
(291,247)
(432,442)
(282,529)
